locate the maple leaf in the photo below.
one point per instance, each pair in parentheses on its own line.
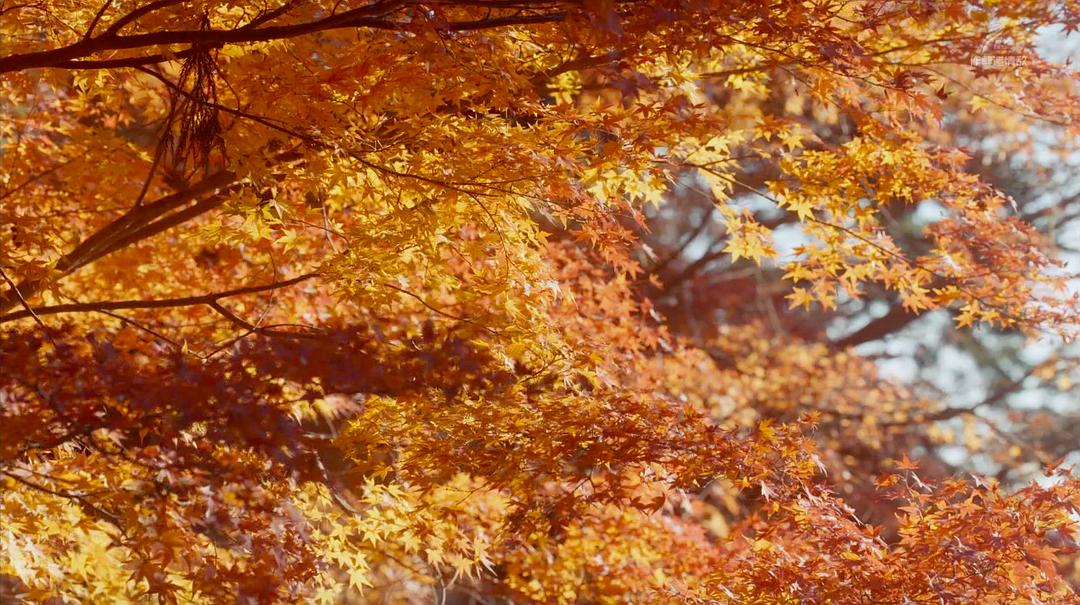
(343,302)
(906,464)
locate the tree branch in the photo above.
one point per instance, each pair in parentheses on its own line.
(897,318)
(185,301)
(137,224)
(372,16)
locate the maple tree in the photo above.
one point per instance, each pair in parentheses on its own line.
(524,301)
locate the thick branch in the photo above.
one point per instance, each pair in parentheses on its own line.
(897,318)
(138,224)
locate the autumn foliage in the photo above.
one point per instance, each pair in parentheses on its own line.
(496,301)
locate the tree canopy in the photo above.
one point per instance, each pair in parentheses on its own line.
(553,302)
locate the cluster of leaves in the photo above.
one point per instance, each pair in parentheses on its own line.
(354,301)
